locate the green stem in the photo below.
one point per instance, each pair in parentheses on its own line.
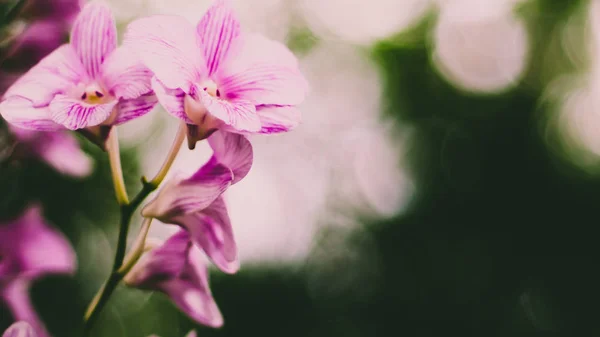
(119,269)
(115,277)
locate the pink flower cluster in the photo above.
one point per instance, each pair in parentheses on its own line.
(221,82)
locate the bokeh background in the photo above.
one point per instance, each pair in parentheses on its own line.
(445,180)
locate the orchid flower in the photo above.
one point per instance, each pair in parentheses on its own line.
(196,204)
(214,76)
(177,269)
(85,83)
(20,329)
(59,149)
(25,245)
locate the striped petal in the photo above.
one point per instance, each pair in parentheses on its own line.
(171,99)
(217,30)
(75,114)
(234,151)
(125,76)
(167,45)
(94,36)
(128,109)
(264,72)
(238,115)
(184,196)
(211,229)
(278,119)
(21,113)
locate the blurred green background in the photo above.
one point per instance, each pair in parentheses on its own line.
(499,239)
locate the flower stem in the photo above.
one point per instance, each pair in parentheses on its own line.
(114,158)
(162,173)
(138,248)
(120,268)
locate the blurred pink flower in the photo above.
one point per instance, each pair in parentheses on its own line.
(216,77)
(58,149)
(20,329)
(30,249)
(177,269)
(195,203)
(82,84)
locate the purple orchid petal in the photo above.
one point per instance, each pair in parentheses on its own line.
(39,39)
(16,296)
(94,36)
(277,119)
(27,242)
(171,100)
(234,151)
(129,109)
(211,229)
(217,30)
(54,74)
(240,115)
(59,149)
(176,269)
(191,292)
(167,46)
(265,72)
(190,195)
(20,329)
(163,263)
(125,76)
(19,111)
(62,10)
(75,114)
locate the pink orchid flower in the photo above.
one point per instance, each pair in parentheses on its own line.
(196,203)
(20,329)
(214,76)
(59,149)
(25,245)
(85,83)
(177,269)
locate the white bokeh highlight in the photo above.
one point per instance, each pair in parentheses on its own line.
(359,21)
(577,118)
(480,46)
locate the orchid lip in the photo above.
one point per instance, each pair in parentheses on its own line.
(94,94)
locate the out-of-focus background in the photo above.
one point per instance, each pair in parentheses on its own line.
(445,180)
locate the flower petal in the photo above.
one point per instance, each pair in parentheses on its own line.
(26,244)
(59,149)
(171,99)
(75,114)
(211,230)
(54,74)
(128,109)
(94,36)
(239,115)
(234,151)
(125,76)
(195,298)
(20,112)
(190,195)
(163,263)
(20,329)
(167,45)
(277,119)
(217,30)
(39,39)
(177,269)
(265,72)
